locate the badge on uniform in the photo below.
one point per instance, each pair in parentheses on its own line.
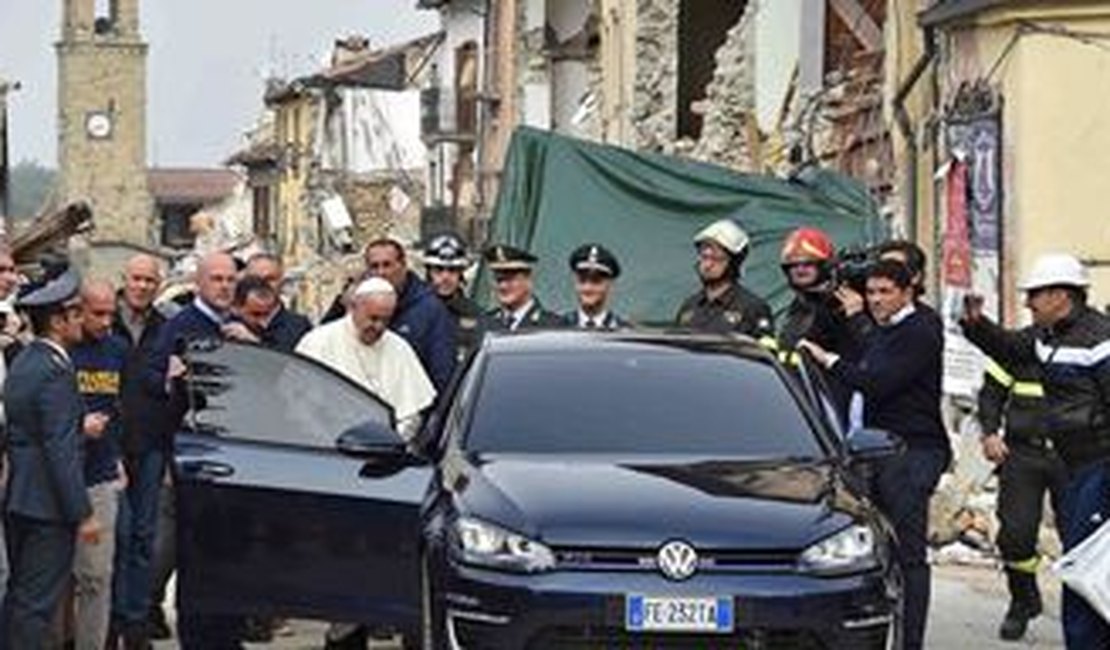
(734,317)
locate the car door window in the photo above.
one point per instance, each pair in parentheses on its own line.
(246,392)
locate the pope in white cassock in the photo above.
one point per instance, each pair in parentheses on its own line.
(361,347)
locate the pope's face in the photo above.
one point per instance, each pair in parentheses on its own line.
(372,314)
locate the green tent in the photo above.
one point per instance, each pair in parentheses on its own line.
(558,193)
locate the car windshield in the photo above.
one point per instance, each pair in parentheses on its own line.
(641,400)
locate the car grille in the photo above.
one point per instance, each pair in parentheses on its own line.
(605,638)
(750,561)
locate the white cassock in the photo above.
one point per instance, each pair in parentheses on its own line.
(389,368)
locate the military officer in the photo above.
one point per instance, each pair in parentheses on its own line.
(723,304)
(518,308)
(595,270)
(48,507)
(445,261)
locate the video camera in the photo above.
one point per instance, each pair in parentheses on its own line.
(852,266)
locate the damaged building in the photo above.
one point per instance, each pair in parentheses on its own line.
(337,160)
(752,85)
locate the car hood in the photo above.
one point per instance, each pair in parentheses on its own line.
(646,502)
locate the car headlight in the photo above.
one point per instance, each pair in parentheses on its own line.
(851,550)
(491,546)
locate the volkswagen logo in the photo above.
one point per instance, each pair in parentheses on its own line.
(677,560)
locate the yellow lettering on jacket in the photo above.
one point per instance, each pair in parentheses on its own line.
(98,382)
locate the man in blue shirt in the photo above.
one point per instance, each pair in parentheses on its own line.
(99,363)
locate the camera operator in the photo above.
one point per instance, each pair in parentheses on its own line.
(899,376)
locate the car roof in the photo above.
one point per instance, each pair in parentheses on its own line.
(626,341)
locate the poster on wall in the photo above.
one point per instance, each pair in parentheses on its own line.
(971,240)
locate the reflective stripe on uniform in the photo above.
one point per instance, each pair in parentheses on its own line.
(1019,388)
(769,343)
(999,374)
(1025,566)
(1028,389)
(1085,357)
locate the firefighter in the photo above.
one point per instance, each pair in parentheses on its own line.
(1071,343)
(723,305)
(1015,438)
(445,262)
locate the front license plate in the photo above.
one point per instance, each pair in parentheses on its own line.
(665,614)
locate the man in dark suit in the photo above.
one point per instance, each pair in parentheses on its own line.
(47,506)
(518,308)
(595,270)
(204,318)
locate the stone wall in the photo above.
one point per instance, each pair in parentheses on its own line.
(655,90)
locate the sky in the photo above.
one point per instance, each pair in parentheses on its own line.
(207,63)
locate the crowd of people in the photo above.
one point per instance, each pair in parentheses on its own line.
(94,393)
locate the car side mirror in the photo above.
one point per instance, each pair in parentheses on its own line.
(869,445)
(372,441)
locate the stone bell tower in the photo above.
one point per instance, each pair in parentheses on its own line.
(102,117)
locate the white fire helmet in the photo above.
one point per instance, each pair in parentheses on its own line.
(1056,270)
(726,234)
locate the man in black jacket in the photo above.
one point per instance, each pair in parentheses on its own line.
(899,377)
(1071,343)
(261,319)
(145,449)
(1015,437)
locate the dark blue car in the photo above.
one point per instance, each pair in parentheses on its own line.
(574,490)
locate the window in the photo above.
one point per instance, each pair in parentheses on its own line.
(107,13)
(244,392)
(177,229)
(665,400)
(703,26)
(263,215)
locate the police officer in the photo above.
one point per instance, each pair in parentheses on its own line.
(518,308)
(1028,466)
(595,270)
(47,505)
(445,261)
(723,305)
(1071,342)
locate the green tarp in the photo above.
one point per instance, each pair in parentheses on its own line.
(558,192)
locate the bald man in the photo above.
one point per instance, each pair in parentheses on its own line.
(203,318)
(99,362)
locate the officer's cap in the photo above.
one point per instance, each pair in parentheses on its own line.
(53,292)
(502,257)
(595,258)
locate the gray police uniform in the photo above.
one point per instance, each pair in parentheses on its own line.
(47,499)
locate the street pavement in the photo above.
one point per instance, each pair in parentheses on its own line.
(968,603)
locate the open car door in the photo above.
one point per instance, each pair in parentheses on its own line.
(271,518)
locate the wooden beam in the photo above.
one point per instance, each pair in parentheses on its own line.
(860,23)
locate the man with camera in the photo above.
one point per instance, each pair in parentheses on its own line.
(899,376)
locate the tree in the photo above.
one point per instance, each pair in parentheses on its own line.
(31,184)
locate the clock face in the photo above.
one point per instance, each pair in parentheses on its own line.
(98,125)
